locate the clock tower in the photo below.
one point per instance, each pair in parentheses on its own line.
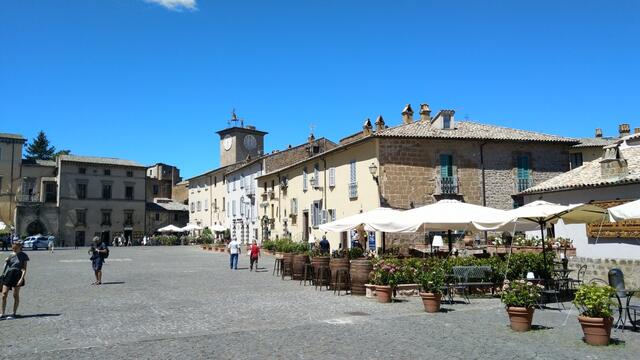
(239,141)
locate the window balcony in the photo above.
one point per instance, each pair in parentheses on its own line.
(447,185)
(523,184)
(28,198)
(353,190)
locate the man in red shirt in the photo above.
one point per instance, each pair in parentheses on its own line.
(254,253)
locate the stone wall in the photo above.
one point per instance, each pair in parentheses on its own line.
(599,268)
(409,169)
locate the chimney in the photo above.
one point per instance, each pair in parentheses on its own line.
(311,138)
(380,124)
(407,114)
(367,128)
(425,112)
(636,130)
(624,130)
(598,133)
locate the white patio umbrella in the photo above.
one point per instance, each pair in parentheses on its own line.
(218,228)
(2,225)
(170,228)
(544,213)
(630,210)
(190,227)
(378,219)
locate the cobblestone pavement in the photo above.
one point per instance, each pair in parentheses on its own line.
(183,303)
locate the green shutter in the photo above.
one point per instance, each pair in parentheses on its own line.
(523,167)
(446,165)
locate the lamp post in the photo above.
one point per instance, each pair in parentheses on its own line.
(373,170)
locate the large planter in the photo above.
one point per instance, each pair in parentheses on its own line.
(597,331)
(383,293)
(336,264)
(360,270)
(279,254)
(299,262)
(520,318)
(287,262)
(431,302)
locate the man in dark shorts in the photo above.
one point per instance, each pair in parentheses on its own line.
(97,252)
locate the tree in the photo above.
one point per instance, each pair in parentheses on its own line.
(61,152)
(39,148)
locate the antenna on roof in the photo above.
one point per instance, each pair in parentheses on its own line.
(312,127)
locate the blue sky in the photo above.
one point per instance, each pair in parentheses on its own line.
(152,80)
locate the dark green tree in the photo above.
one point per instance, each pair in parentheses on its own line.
(39,148)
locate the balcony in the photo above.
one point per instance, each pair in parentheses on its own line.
(250,190)
(29,198)
(523,184)
(448,185)
(353,190)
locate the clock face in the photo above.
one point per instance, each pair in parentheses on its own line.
(250,142)
(227,142)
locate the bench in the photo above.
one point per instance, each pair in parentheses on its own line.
(466,277)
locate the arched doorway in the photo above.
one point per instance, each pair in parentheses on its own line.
(36,227)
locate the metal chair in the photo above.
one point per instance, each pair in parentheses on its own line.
(343,282)
(322,277)
(616,281)
(579,280)
(552,289)
(277,267)
(287,268)
(307,275)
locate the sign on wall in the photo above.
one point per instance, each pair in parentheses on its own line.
(621,229)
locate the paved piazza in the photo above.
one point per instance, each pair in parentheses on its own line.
(182,303)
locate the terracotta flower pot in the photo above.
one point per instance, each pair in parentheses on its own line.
(383,293)
(597,331)
(520,318)
(431,302)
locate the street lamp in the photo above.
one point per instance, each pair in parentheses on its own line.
(373,170)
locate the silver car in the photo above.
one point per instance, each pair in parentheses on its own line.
(37,242)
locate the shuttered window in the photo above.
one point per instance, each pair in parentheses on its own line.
(446,165)
(332,177)
(523,166)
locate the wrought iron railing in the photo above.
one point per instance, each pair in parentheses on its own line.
(353,190)
(28,198)
(523,184)
(448,185)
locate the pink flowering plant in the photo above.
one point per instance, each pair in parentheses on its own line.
(520,293)
(386,273)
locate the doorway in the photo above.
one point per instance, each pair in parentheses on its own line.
(36,227)
(305,226)
(105,237)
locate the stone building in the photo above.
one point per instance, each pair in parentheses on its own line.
(612,179)
(207,198)
(161,179)
(10,175)
(416,163)
(590,149)
(163,212)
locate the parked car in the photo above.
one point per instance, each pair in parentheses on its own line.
(37,242)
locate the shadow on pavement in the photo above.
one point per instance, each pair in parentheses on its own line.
(36,316)
(113,283)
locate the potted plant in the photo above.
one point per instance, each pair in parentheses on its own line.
(432,281)
(384,279)
(594,301)
(520,297)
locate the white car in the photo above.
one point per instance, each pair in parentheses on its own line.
(37,242)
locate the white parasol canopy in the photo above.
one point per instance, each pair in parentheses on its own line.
(541,211)
(630,210)
(190,227)
(457,215)
(170,228)
(2,225)
(379,219)
(218,228)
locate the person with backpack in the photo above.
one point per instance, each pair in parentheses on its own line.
(99,251)
(254,254)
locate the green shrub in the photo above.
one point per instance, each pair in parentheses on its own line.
(520,293)
(432,280)
(594,300)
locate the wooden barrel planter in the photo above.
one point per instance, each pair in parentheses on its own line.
(318,262)
(287,261)
(335,264)
(360,270)
(299,262)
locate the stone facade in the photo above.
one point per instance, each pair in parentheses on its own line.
(10,175)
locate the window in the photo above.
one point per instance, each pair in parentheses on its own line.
(107,172)
(447,182)
(80,238)
(241,181)
(50,192)
(233,207)
(332,177)
(523,180)
(129,173)
(273,185)
(128,218)
(576,160)
(316,213)
(241,205)
(106,218)
(228,187)
(304,179)
(150,172)
(234,184)
(215,181)
(331,215)
(81,191)
(81,217)
(156,189)
(446,165)
(206,204)
(193,206)
(446,122)
(353,185)
(215,204)
(199,205)
(157,216)
(82,170)
(223,203)
(128,193)
(106,191)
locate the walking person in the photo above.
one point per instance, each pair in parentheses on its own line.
(234,251)
(254,254)
(50,246)
(13,278)
(325,247)
(98,252)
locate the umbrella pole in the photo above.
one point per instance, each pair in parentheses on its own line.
(450,240)
(544,253)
